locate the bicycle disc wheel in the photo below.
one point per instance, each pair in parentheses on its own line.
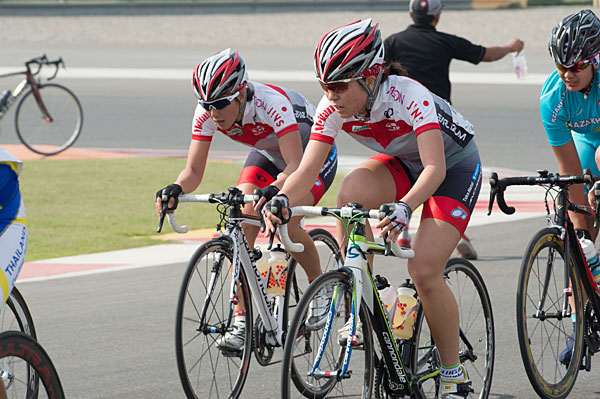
(19,353)
(49,136)
(205,370)
(297,282)
(541,339)
(16,316)
(476,346)
(300,352)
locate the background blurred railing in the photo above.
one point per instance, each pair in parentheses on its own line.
(33,7)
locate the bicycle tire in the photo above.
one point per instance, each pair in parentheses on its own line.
(548,377)
(20,353)
(295,370)
(225,371)
(477,326)
(19,317)
(296,284)
(41,136)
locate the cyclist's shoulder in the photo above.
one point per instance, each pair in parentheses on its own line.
(553,87)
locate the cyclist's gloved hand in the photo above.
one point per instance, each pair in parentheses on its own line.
(265,194)
(172,191)
(395,218)
(277,211)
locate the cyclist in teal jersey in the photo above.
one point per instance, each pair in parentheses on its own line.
(570,108)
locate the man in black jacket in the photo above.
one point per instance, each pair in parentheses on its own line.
(426,53)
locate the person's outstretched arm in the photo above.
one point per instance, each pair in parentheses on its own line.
(495,53)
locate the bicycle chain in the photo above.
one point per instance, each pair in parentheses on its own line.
(262,350)
(592,328)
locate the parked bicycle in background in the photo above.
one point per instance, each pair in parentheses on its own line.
(48,117)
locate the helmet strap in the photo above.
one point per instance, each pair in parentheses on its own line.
(370,96)
(242,106)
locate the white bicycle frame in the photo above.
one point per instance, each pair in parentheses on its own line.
(272,321)
(359,267)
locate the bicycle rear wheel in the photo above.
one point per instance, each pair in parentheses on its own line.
(301,351)
(43,135)
(541,327)
(476,347)
(297,282)
(205,370)
(19,354)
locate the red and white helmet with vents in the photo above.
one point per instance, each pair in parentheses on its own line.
(348,51)
(219,76)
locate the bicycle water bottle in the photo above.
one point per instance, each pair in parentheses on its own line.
(4,99)
(591,255)
(404,316)
(386,293)
(274,270)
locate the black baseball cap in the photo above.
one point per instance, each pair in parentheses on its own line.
(425,7)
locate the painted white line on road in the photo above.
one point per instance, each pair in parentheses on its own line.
(269,76)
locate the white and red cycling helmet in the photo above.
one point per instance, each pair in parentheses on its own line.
(349,51)
(219,76)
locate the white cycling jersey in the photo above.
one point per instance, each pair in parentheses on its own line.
(403,109)
(271,113)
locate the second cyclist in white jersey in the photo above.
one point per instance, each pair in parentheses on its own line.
(275,123)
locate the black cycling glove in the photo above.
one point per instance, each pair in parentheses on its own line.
(171,191)
(267,192)
(275,206)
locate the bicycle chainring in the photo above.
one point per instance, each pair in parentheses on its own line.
(592,328)
(262,350)
(382,388)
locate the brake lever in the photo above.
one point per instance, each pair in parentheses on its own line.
(163,214)
(388,245)
(493,191)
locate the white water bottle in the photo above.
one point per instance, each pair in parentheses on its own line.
(591,256)
(520,64)
(387,295)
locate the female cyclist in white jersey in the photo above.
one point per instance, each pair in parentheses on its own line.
(426,156)
(275,123)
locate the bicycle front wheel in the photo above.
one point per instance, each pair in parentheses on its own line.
(52,125)
(542,328)
(476,345)
(205,369)
(19,354)
(304,343)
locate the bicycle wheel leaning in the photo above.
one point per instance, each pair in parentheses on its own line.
(300,352)
(205,370)
(43,135)
(541,328)
(16,316)
(19,353)
(476,347)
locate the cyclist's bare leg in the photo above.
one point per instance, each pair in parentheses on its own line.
(3,394)
(427,271)
(374,176)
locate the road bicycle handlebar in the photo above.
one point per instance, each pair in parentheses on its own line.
(223,198)
(346,212)
(43,60)
(498,186)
